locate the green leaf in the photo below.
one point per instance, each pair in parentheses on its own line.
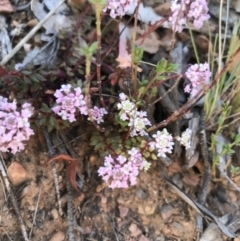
(93,47)
(45,107)
(146,154)
(154,156)
(66,123)
(99,146)
(50,128)
(25,72)
(27,80)
(40,77)
(220,121)
(35,86)
(237,139)
(33,78)
(94,142)
(42,121)
(51,120)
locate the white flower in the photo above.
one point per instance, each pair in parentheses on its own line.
(185,139)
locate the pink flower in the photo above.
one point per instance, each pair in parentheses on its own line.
(70,101)
(118,8)
(122,171)
(185,10)
(98,114)
(199,76)
(14,125)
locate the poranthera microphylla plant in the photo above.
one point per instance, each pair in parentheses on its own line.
(127,148)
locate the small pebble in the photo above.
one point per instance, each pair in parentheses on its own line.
(167,211)
(141,194)
(17,173)
(54,213)
(59,236)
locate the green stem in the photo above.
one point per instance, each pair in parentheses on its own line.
(194,45)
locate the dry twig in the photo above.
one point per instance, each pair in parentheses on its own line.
(207,170)
(56,182)
(70,217)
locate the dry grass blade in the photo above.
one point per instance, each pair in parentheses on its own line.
(35,213)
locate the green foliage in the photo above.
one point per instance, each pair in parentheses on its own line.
(137,55)
(88,51)
(101,3)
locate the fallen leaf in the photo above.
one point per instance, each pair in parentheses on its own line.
(71,167)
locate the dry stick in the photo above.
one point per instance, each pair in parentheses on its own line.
(134,67)
(70,218)
(194,100)
(12,198)
(88,94)
(30,34)
(113,226)
(167,92)
(54,171)
(35,213)
(207,171)
(98,60)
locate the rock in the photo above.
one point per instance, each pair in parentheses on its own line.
(54,213)
(123,211)
(135,231)
(59,236)
(167,211)
(141,194)
(17,173)
(146,209)
(212,233)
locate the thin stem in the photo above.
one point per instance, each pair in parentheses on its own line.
(98,60)
(134,68)
(220,37)
(87,92)
(194,45)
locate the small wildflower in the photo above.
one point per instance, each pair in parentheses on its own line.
(185,138)
(70,101)
(19,66)
(185,10)
(118,8)
(137,120)
(14,125)
(199,76)
(98,114)
(122,171)
(163,143)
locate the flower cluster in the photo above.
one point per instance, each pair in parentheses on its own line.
(14,125)
(136,119)
(163,143)
(199,76)
(185,139)
(118,7)
(71,101)
(98,114)
(122,172)
(184,10)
